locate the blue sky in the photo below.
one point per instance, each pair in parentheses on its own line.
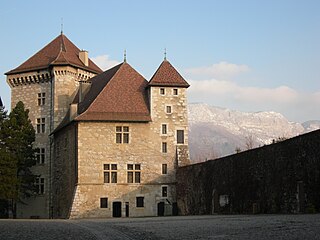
(245,55)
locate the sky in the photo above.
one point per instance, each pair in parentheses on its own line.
(246,55)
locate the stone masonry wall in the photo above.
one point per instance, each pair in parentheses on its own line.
(278,178)
(97,146)
(25,87)
(65,171)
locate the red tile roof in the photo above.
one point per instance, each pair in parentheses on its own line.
(167,75)
(118,94)
(60,51)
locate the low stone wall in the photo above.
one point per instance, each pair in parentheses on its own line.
(279,178)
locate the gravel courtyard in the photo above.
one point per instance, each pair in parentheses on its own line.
(191,227)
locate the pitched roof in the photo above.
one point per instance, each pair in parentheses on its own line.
(167,75)
(118,94)
(60,51)
(1,104)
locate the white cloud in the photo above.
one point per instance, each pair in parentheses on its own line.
(104,62)
(295,105)
(221,70)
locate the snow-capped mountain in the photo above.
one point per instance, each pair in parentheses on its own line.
(216,132)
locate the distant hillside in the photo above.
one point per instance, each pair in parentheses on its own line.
(216,132)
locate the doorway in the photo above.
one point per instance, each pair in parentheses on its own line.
(116,209)
(127,209)
(161,209)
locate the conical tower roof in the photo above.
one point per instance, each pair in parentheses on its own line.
(167,75)
(60,51)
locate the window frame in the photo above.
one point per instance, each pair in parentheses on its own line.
(164,191)
(164,147)
(110,173)
(167,107)
(162,91)
(178,136)
(40,186)
(140,202)
(40,155)
(164,129)
(164,169)
(134,173)
(175,92)
(104,202)
(41,125)
(41,98)
(122,134)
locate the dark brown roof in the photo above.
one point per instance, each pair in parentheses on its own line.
(167,75)
(118,94)
(60,51)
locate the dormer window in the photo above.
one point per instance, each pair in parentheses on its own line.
(162,91)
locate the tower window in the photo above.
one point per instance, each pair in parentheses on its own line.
(164,168)
(164,147)
(180,136)
(168,109)
(41,125)
(164,129)
(40,155)
(41,99)
(162,91)
(175,91)
(39,185)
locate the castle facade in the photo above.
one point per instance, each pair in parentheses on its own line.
(109,143)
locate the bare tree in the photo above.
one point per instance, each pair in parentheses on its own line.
(249,142)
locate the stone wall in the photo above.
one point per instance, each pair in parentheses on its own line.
(64,171)
(279,178)
(25,87)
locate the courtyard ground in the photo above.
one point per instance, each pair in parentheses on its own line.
(188,227)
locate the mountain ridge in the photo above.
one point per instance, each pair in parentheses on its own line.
(215,131)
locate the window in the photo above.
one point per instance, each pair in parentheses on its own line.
(134,173)
(110,174)
(41,99)
(140,201)
(165,191)
(162,91)
(41,125)
(175,91)
(103,202)
(168,109)
(164,129)
(180,136)
(122,134)
(164,169)
(39,185)
(40,155)
(164,147)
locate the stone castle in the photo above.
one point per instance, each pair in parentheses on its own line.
(109,143)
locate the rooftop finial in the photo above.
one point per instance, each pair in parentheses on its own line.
(125,56)
(165,54)
(61,26)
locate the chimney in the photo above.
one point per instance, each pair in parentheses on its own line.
(83,55)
